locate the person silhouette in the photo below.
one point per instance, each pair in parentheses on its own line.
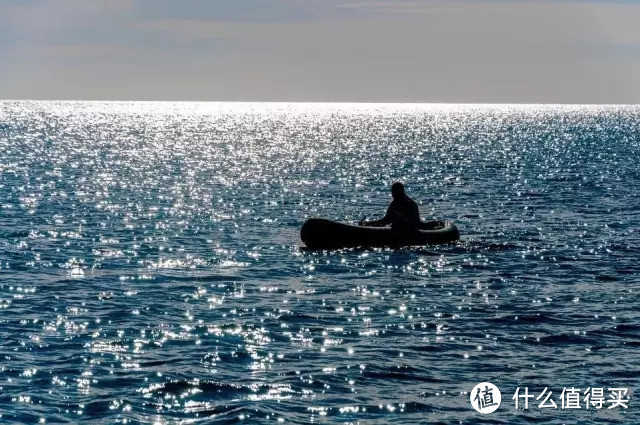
(402,214)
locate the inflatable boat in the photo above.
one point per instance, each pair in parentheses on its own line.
(319,233)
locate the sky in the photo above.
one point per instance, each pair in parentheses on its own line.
(437,51)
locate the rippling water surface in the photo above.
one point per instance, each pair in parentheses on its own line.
(151,269)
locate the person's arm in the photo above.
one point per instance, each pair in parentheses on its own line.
(415,215)
(378,223)
(375,223)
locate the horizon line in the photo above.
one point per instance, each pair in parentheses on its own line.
(313,102)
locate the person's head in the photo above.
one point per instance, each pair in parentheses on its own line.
(397,190)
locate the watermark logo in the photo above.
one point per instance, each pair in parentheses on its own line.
(574,398)
(485,397)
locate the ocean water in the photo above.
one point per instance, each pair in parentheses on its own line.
(151,269)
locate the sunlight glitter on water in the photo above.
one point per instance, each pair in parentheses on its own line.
(151,267)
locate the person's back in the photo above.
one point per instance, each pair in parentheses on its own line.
(402,214)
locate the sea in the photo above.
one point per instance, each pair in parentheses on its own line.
(151,269)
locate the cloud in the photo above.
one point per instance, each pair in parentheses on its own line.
(62,21)
(342,50)
(78,52)
(187,29)
(229,11)
(41,14)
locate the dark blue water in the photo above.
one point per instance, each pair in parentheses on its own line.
(151,269)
